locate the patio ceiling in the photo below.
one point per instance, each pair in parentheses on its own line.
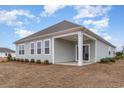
(74,38)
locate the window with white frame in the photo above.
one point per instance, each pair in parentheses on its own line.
(21,49)
(47,46)
(109,50)
(39,47)
(32,48)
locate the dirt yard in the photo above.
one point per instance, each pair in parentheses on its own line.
(17,74)
(2,59)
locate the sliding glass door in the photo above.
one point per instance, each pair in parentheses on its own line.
(86,52)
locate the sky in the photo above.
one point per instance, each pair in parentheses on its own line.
(17,22)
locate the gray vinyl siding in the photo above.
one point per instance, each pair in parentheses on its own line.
(103,50)
(35,56)
(64,50)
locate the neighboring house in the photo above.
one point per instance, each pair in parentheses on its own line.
(5,51)
(65,42)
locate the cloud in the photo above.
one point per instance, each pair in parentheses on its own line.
(89,11)
(49,10)
(24,33)
(11,18)
(98,25)
(106,36)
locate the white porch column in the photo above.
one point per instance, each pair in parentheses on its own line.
(53,60)
(80,48)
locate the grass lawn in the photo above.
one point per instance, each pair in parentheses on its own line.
(18,74)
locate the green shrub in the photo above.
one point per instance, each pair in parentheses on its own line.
(22,60)
(9,57)
(32,61)
(46,62)
(107,60)
(118,57)
(14,59)
(17,59)
(38,62)
(119,54)
(26,60)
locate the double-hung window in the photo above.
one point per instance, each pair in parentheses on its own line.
(39,47)
(47,46)
(32,48)
(21,49)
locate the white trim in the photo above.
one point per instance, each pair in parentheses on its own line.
(34,47)
(63,35)
(49,46)
(55,33)
(89,52)
(82,46)
(41,47)
(95,45)
(53,55)
(95,50)
(23,44)
(89,36)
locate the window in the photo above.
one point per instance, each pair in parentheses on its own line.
(32,48)
(39,47)
(6,54)
(114,53)
(46,46)
(109,50)
(21,49)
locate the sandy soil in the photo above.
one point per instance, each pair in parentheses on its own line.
(2,59)
(29,75)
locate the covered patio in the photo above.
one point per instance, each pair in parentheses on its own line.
(75,48)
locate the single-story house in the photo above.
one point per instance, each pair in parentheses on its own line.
(5,51)
(65,42)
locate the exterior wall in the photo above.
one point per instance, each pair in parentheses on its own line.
(35,56)
(103,50)
(4,54)
(64,50)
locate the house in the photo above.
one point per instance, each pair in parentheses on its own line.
(5,51)
(65,42)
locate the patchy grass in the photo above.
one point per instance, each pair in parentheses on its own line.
(20,74)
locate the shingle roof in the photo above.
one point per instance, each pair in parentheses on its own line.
(6,50)
(64,25)
(59,27)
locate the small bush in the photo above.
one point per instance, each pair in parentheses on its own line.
(38,62)
(22,60)
(46,62)
(32,61)
(107,60)
(119,54)
(14,59)
(9,57)
(26,60)
(18,59)
(118,57)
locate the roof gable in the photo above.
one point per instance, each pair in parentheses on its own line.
(64,25)
(59,27)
